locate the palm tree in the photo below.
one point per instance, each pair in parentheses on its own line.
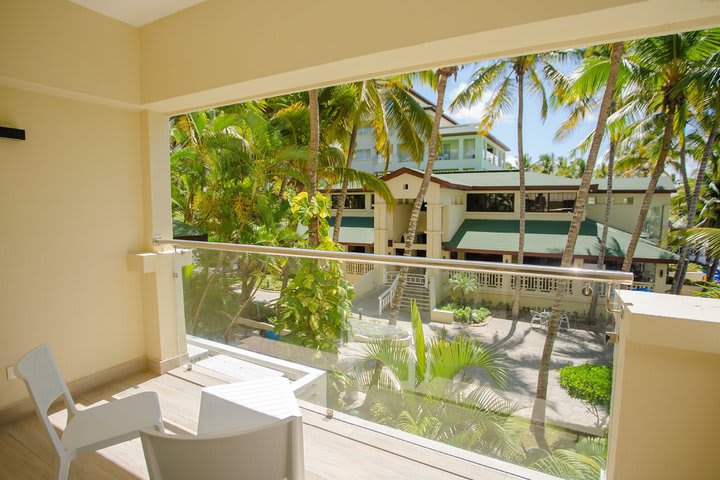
(705,83)
(547,163)
(385,105)
(312,165)
(538,413)
(664,64)
(586,461)
(438,79)
(461,285)
(508,77)
(426,390)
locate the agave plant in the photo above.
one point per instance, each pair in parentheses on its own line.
(426,390)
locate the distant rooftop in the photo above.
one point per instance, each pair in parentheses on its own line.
(548,238)
(510,180)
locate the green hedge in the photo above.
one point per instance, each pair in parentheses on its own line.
(590,383)
(462,313)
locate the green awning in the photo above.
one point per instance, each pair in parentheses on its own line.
(181,229)
(353,230)
(545,237)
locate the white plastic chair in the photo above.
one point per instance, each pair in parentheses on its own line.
(87,430)
(564,320)
(262,453)
(538,318)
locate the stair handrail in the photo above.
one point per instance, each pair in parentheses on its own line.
(385,298)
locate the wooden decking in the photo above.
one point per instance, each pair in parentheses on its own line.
(334,449)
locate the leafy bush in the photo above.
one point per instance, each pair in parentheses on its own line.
(466,313)
(591,384)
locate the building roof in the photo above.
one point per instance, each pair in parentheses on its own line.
(493,180)
(548,238)
(507,179)
(353,230)
(633,184)
(183,230)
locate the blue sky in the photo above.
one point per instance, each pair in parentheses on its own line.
(538,136)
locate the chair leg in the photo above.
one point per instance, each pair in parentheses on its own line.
(64,468)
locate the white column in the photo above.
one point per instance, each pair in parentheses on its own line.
(165,344)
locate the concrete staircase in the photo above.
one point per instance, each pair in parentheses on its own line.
(418,293)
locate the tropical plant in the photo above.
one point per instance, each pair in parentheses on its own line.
(437,80)
(703,84)
(426,390)
(538,412)
(461,285)
(664,68)
(507,77)
(314,307)
(383,104)
(586,461)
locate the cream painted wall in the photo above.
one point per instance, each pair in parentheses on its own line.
(664,411)
(72,207)
(61,48)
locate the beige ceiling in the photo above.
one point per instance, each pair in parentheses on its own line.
(137,12)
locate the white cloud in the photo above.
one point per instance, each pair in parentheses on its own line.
(512,159)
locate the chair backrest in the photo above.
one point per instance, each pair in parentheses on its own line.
(258,454)
(45,384)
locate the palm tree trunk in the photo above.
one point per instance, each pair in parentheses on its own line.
(683,170)
(343,192)
(711,270)
(692,205)
(314,110)
(521,178)
(606,226)
(538,412)
(442,77)
(659,169)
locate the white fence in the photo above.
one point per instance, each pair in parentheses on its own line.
(358,268)
(410,278)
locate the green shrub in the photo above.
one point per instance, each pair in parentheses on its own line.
(466,313)
(591,384)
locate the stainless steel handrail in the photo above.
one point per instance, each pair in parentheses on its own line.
(607,276)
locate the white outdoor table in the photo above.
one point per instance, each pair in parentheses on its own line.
(252,404)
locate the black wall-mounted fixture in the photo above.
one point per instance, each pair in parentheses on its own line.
(13,133)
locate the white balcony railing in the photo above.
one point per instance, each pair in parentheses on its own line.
(357,268)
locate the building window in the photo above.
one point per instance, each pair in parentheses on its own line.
(490,202)
(536,202)
(469,148)
(623,200)
(592,200)
(363,154)
(352,201)
(450,150)
(364,131)
(550,202)
(561,202)
(652,228)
